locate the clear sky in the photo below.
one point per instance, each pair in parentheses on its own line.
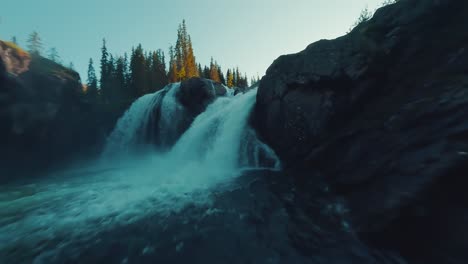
(245,33)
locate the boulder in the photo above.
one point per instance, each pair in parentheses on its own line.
(381,114)
(195,94)
(193,97)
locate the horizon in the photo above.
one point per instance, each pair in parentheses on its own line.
(157,25)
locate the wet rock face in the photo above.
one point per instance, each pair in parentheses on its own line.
(381,113)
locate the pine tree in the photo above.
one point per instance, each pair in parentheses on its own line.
(159,76)
(148,66)
(92,81)
(104,81)
(138,72)
(13,39)
(234,77)
(243,81)
(190,63)
(200,71)
(214,74)
(186,66)
(230,78)
(111,93)
(53,54)
(127,76)
(180,54)
(119,88)
(35,43)
(254,80)
(206,72)
(172,75)
(221,75)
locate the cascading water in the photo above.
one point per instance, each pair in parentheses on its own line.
(222,129)
(90,199)
(137,127)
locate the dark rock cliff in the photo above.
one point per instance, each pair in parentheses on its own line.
(44,117)
(380,115)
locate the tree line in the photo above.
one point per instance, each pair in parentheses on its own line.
(127,77)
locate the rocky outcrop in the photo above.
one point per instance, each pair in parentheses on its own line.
(15,60)
(44,117)
(380,116)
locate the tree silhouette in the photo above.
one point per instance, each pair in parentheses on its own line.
(214,73)
(172,75)
(35,43)
(230,78)
(92,81)
(104,81)
(138,72)
(53,55)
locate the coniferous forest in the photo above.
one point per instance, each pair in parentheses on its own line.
(123,78)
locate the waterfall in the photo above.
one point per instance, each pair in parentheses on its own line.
(88,199)
(220,133)
(219,141)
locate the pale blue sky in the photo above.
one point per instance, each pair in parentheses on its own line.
(245,33)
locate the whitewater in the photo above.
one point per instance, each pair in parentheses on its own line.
(134,179)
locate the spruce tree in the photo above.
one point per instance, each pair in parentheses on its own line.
(214,74)
(111,92)
(14,40)
(190,63)
(138,72)
(104,72)
(234,78)
(186,66)
(230,79)
(119,80)
(149,88)
(200,71)
(206,72)
(180,54)
(127,76)
(35,43)
(53,55)
(238,78)
(172,75)
(243,81)
(221,75)
(159,75)
(92,91)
